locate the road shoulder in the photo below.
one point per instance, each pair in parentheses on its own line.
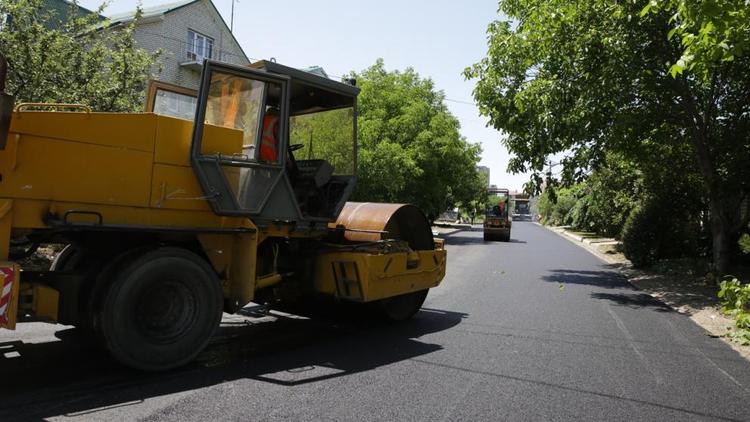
(688,295)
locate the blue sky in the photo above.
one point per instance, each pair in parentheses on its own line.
(438,38)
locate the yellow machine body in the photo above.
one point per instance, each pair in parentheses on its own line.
(134,171)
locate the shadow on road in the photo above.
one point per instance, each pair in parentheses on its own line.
(606,279)
(610,280)
(462,238)
(633,300)
(68,378)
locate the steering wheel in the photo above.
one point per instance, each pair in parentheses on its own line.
(295,147)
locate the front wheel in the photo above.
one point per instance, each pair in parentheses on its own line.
(402,307)
(160,310)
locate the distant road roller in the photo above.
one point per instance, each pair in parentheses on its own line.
(497,221)
(169,222)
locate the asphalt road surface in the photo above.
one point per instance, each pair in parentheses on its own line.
(533,329)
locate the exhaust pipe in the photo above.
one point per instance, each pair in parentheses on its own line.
(6,104)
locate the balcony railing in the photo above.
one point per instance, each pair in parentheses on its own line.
(192,60)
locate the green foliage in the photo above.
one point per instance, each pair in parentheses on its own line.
(556,206)
(325,135)
(410,148)
(658,229)
(601,203)
(476,206)
(639,238)
(612,191)
(735,301)
(744,243)
(75,61)
(591,77)
(710,32)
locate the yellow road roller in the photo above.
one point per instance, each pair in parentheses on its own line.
(169,222)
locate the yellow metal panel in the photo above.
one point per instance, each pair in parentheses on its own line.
(6,225)
(173,140)
(176,187)
(10,279)
(219,249)
(242,270)
(46,302)
(379,275)
(221,140)
(124,130)
(29,213)
(46,168)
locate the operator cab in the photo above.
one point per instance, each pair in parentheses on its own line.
(275,143)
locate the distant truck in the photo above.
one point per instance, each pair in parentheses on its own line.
(497,223)
(522,208)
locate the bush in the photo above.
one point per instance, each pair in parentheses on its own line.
(555,206)
(638,237)
(744,243)
(735,301)
(612,193)
(658,230)
(601,203)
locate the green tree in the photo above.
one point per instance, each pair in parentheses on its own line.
(587,77)
(477,205)
(410,148)
(72,59)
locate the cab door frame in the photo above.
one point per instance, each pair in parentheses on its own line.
(208,169)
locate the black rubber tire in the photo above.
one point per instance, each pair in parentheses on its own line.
(402,307)
(160,310)
(506,237)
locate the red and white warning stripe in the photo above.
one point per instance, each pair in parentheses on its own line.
(6,281)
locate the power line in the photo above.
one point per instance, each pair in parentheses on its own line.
(461,102)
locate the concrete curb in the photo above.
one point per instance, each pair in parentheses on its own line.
(443,231)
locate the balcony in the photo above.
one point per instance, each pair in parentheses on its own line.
(190,60)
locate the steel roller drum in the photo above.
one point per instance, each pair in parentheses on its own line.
(367,222)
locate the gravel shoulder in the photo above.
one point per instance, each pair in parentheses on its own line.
(692,296)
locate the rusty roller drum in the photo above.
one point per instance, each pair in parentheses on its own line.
(371,222)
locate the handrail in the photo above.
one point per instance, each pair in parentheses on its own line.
(59,106)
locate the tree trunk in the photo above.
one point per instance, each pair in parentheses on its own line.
(721,225)
(721,232)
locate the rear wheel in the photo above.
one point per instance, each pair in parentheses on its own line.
(402,307)
(506,237)
(160,309)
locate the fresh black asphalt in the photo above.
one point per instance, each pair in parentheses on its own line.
(533,329)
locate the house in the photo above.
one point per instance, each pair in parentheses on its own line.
(187,32)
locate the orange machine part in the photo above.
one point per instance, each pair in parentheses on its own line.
(370,222)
